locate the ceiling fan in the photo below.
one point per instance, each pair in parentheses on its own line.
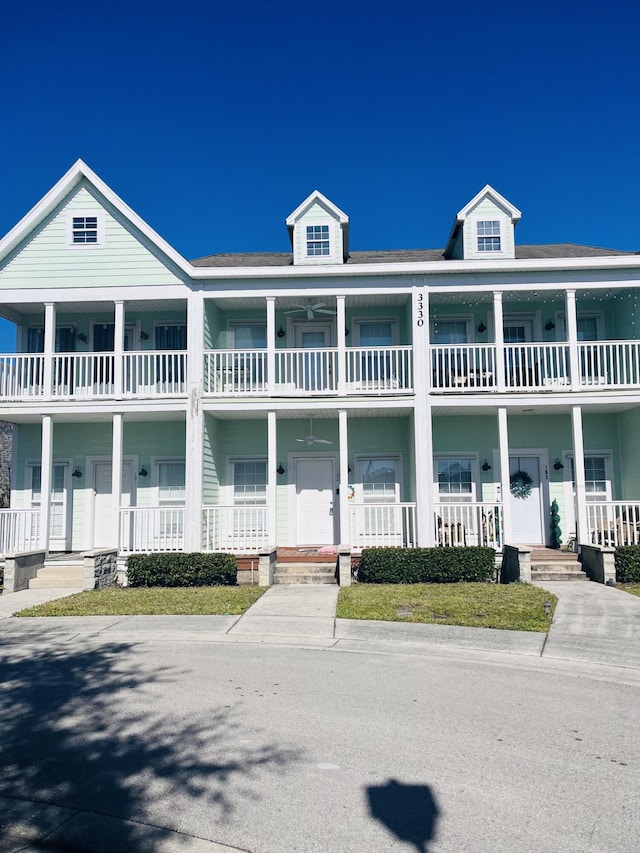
(311,309)
(311,438)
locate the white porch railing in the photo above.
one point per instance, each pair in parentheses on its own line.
(613,523)
(383,525)
(151,528)
(461,524)
(21,376)
(468,366)
(537,367)
(19,530)
(155,374)
(305,372)
(235,372)
(83,374)
(380,370)
(234,528)
(615,364)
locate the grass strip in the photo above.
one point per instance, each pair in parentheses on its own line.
(153,601)
(633,588)
(514,607)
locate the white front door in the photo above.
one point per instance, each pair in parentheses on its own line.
(315,495)
(526,508)
(104,536)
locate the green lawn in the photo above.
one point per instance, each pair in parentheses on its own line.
(156,601)
(633,588)
(516,607)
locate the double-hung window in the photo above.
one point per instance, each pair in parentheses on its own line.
(318,243)
(249,498)
(171,500)
(488,233)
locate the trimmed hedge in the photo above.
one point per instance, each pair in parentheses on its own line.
(182,570)
(627,562)
(426,565)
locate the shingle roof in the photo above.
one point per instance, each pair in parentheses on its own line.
(399,256)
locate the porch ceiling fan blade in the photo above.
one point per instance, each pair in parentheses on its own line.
(325,311)
(321,441)
(310,314)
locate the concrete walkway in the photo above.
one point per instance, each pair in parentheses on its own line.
(15,601)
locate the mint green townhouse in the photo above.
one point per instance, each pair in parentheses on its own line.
(318,397)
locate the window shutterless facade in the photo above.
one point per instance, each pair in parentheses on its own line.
(318,243)
(488,233)
(85,228)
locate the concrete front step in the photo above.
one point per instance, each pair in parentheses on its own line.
(558,575)
(318,573)
(59,576)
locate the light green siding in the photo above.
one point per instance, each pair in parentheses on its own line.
(127,257)
(211,460)
(316,215)
(487,208)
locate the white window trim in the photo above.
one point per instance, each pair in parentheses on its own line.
(569,493)
(533,317)
(311,223)
(233,324)
(358,458)
(476,485)
(159,325)
(454,318)
(356,321)
(99,214)
(561,324)
(156,461)
(476,237)
(66,503)
(228,490)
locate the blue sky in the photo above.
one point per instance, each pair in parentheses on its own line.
(214,123)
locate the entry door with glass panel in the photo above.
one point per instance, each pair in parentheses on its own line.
(374,369)
(58,508)
(455,487)
(379,520)
(249,503)
(315,369)
(521,370)
(526,503)
(315,483)
(450,359)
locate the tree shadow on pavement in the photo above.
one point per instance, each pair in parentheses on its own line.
(88,729)
(410,812)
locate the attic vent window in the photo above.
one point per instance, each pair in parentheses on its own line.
(85,229)
(317,240)
(489,236)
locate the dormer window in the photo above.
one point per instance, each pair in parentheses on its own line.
(85,228)
(489,235)
(318,240)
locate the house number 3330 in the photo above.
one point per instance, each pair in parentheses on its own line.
(420,320)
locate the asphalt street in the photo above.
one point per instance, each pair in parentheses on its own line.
(274,747)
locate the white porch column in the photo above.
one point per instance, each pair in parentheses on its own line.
(46,464)
(116,475)
(272,478)
(422,427)
(582,526)
(341,340)
(49,347)
(572,337)
(194,440)
(271,345)
(498,336)
(505,478)
(118,349)
(343,479)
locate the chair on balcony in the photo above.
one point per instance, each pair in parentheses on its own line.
(451,533)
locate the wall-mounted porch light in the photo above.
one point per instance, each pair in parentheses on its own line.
(557,465)
(549,325)
(143,472)
(281,332)
(482,328)
(280,470)
(77,473)
(82,337)
(485,466)
(144,336)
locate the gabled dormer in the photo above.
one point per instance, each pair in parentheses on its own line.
(483,229)
(319,232)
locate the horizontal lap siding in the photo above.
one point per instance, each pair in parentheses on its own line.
(126,258)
